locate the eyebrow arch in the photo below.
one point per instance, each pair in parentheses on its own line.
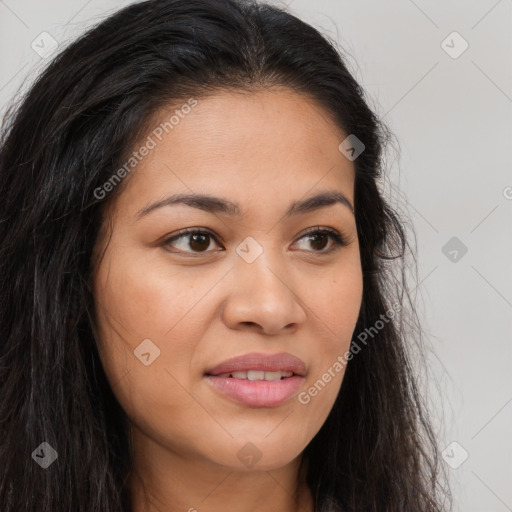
(218,205)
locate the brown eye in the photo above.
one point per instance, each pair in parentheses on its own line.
(318,239)
(198,241)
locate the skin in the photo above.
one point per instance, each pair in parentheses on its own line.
(206,304)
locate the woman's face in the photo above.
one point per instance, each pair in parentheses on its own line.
(253,281)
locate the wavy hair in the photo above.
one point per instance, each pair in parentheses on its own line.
(376,451)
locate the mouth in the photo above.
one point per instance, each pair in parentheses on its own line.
(256,366)
(258,380)
(254,375)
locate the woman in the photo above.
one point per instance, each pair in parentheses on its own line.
(199,305)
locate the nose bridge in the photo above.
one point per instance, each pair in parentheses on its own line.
(262,273)
(262,292)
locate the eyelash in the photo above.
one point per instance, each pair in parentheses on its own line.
(337,238)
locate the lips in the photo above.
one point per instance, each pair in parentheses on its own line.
(282,362)
(258,380)
(257,375)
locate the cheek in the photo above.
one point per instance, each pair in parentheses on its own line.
(145,298)
(143,309)
(337,303)
(143,315)
(335,306)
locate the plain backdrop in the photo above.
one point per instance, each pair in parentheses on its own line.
(439,74)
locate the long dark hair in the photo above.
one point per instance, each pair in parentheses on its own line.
(377,450)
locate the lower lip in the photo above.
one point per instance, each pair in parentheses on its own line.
(257,393)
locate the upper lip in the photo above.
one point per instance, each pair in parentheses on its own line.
(261,362)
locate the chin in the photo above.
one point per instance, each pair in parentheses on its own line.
(257,453)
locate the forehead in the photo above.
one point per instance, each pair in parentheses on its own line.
(244,146)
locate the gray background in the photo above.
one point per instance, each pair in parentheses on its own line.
(452,118)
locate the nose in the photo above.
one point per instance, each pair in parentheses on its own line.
(263,299)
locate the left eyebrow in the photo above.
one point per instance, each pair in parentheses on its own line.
(214,204)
